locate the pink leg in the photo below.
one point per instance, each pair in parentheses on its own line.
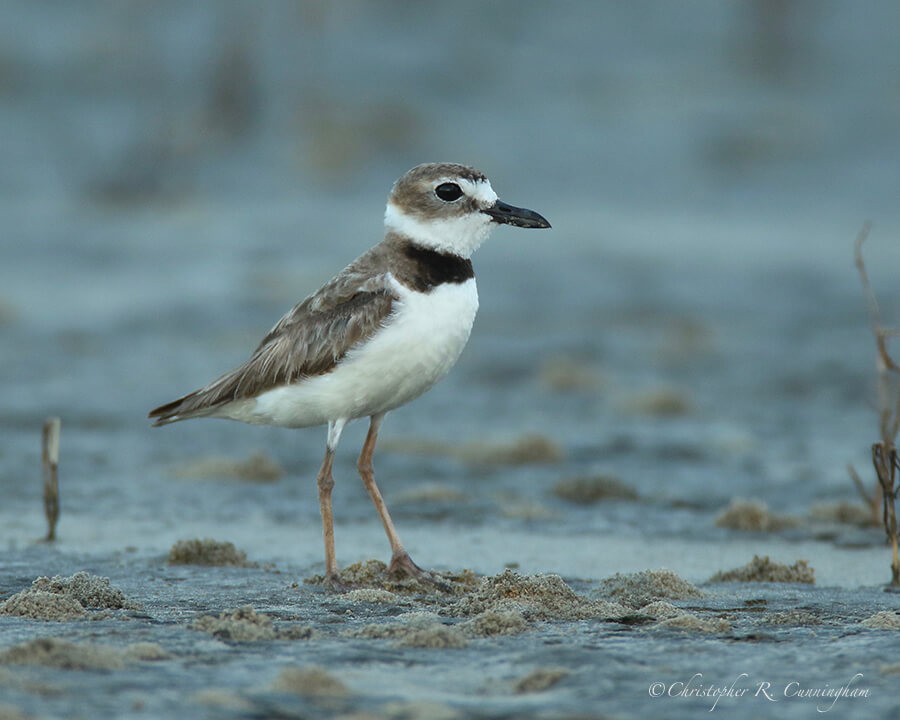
(400,559)
(326,483)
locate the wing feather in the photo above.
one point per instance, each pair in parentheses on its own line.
(309,340)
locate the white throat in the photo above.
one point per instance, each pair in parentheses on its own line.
(458,236)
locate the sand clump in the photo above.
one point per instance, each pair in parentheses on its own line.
(434,636)
(513,505)
(795,618)
(662,402)
(312,681)
(147,652)
(208,552)
(257,468)
(593,489)
(495,622)
(762,569)
(528,449)
(651,590)
(429,493)
(371,595)
(563,373)
(43,606)
(219,698)
(416,710)
(10,712)
(534,597)
(70,598)
(693,623)
(884,620)
(416,629)
(373,574)
(428,630)
(53,652)
(247,625)
(661,610)
(752,516)
(844,513)
(540,679)
(643,588)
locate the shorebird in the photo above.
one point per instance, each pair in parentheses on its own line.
(376,336)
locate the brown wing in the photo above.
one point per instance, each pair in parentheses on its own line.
(309,340)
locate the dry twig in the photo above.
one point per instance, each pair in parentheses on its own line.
(884,453)
(50,457)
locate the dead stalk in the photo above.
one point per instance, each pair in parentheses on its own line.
(50,457)
(884,453)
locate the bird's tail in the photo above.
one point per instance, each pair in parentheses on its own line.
(174,411)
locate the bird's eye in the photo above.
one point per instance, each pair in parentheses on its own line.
(448,192)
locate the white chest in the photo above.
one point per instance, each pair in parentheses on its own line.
(422,339)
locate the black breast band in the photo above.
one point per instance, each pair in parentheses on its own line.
(433,268)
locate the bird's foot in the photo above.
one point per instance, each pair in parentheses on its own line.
(402,564)
(338,585)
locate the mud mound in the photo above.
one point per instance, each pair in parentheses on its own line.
(642,588)
(416,629)
(428,493)
(661,610)
(208,552)
(796,618)
(534,597)
(761,569)
(527,449)
(693,623)
(661,402)
(53,652)
(569,374)
(752,516)
(373,574)
(844,513)
(371,595)
(146,652)
(593,489)
(60,598)
(42,605)
(247,625)
(311,681)
(540,679)
(10,712)
(495,622)
(884,620)
(257,468)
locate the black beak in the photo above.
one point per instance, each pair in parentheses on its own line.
(520,217)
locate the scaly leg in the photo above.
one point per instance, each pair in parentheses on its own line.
(400,559)
(326,483)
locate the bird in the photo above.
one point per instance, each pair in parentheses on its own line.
(379,334)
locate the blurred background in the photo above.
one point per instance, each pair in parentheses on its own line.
(176,175)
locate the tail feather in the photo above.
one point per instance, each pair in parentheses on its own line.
(172,411)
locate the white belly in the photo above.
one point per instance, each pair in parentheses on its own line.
(423,339)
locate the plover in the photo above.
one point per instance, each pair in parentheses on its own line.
(376,336)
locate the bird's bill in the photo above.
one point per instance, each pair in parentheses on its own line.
(511,215)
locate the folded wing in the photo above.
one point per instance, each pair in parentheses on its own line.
(309,340)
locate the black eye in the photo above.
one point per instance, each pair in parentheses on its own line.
(448,192)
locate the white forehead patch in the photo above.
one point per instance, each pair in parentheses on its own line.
(480,191)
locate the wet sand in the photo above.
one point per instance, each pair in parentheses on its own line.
(227,641)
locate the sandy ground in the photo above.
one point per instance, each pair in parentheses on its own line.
(224,637)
